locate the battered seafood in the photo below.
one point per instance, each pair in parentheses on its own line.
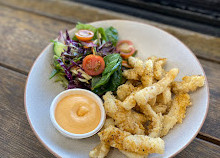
(145,108)
(189,83)
(134,143)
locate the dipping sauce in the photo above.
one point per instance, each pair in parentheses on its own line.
(78,114)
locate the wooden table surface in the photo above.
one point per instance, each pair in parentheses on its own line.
(26,27)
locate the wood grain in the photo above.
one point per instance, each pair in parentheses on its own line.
(204,46)
(198,149)
(24,36)
(17,139)
(212,125)
(27,27)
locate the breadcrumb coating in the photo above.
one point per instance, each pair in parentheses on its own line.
(177,112)
(159,72)
(143,109)
(188,84)
(160,108)
(137,71)
(133,155)
(165,97)
(124,91)
(133,143)
(144,95)
(113,136)
(124,119)
(148,75)
(100,151)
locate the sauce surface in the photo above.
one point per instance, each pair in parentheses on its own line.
(78,114)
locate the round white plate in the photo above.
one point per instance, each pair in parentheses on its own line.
(149,41)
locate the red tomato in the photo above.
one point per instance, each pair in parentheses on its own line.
(125,64)
(125,48)
(93,65)
(84,35)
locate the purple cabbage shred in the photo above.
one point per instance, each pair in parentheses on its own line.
(77,84)
(106,49)
(67,72)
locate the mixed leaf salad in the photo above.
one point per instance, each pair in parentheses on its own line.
(93,59)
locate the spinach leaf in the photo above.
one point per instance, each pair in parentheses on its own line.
(111,57)
(111,76)
(105,78)
(101,90)
(95,80)
(112,84)
(112,63)
(110,66)
(116,79)
(112,35)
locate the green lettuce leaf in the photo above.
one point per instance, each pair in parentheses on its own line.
(81,26)
(112,63)
(111,76)
(101,32)
(112,35)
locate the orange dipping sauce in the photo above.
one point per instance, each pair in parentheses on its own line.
(78,114)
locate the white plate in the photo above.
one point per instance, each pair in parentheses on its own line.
(149,41)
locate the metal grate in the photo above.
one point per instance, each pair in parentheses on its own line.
(205,11)
(188,14)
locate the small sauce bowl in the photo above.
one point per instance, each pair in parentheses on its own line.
(69,92)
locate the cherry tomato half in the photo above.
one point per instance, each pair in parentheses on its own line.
(125,48)
(93,65)
(125,64)
(84,35)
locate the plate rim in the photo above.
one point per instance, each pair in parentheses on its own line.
(116,20)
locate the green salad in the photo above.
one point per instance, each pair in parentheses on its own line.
(93,58)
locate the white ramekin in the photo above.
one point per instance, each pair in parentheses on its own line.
(77,91)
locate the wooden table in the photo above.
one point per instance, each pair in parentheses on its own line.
(26,27)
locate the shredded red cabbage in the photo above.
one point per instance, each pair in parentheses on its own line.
(72,64)
(77,84)
(79,75)
(69,41)
(106,49)
(67,72)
